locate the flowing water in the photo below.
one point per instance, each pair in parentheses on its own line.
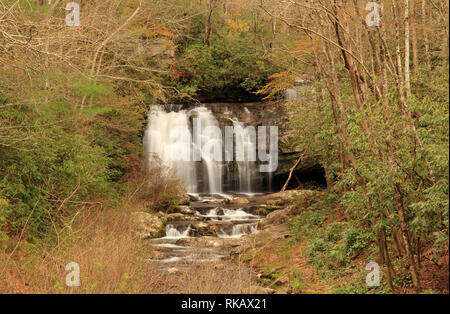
(180,246)
(171,140)
(198,158)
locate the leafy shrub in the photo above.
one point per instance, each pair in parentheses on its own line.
(316,219)
(404,280)
(355,240)
(361,288)
(334,231)
(166,202)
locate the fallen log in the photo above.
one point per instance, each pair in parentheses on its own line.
(291,171)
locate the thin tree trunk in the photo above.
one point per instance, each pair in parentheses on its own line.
(405,238)
(425,33)
(413,26)
(291,171)
(208,23)
(407,52)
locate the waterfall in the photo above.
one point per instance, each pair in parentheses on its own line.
(161,146)
(213,167)
(196,158)
(238,231)
(173,233)
(246,160)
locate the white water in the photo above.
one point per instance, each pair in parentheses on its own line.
(228,215)
(159,145)
(238,231)
(173,233)
(178,152)
(213,167)
(248,148)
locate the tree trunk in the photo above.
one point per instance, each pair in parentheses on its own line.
(407,52)
(425,33)
(405,238)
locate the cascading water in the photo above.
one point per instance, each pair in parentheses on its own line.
(208,141)
(245,162)
(238,231)
(210,159)
(170,139)
(163,147)
(173,233)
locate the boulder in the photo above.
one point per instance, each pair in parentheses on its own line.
(277,217)
(184,199)
(277,202)
(184,210)
(181,218)
(202,228)
(193,198)
(174,217)
(219,211)
(239,201)
(147,226)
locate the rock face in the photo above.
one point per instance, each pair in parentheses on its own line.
(277,217)
(147,226)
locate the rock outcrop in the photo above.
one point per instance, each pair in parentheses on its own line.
(147,226)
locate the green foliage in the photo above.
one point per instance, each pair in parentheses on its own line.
(404,280)
(334,231)
(3,222)
(52,160)
(233,64)
(84,87)
(361,288)
(316,219)
(223,69)
(166,202)
(356,239)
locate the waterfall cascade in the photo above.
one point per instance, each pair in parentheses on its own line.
(194,156)
(173,233)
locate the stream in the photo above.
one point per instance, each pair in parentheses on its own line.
(206,235)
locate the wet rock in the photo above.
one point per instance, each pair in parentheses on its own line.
(219,211)
(193,198)
(147,226)
(175,217)
(184,210)
(202,228)
(180,219)
(257,290)
(208,242)
(184,199)
(239,201)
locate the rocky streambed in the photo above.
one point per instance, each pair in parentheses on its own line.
(204,231)
(212,230)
